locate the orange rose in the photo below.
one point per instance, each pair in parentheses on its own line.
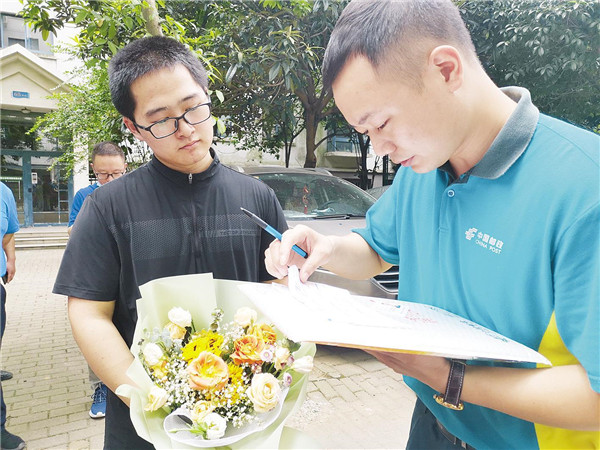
(207,371)
(247,350)
(264,332)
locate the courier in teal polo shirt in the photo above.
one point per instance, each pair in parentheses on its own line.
(503,246)
(494,215)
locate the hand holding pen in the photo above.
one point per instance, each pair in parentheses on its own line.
(272,231)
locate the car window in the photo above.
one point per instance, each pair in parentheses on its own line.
(309,196)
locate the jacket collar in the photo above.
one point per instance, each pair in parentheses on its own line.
(184,178)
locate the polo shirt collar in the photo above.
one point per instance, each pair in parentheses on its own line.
(513,139)
(183,178)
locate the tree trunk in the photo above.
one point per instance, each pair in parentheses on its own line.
(364,148)
(311,134)
(150,14)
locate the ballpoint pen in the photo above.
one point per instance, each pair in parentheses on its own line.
(272,231)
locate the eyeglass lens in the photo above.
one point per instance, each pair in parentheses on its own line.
(168,126)
(104,176)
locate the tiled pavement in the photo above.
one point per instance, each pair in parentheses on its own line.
(353,401)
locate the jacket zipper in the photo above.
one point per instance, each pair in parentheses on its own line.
(194,222)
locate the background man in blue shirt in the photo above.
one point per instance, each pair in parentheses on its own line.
(108,163)
(9,225)
(498,221)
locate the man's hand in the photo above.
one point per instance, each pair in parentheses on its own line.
(431,370)
(280,255)
(518,392)
(8,245)
(10,270)
(348,256)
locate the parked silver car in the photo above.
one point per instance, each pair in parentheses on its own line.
(329,205)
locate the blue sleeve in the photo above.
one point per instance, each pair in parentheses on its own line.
(13,220)
(576,269)
(380,232)
(9,211)
(76,206)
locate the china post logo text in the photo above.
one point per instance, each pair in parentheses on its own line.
(484,240)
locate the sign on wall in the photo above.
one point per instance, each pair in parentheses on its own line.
(20,94)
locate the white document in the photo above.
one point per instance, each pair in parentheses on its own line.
(312,312)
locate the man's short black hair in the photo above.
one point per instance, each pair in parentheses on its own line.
(107,148)
(392,33)
(143,56)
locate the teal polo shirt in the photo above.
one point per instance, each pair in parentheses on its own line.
(513,245)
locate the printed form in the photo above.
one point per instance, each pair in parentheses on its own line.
(312,312)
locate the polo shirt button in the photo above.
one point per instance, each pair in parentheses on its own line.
(450,193)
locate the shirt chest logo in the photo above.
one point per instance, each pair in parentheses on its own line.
(484,240)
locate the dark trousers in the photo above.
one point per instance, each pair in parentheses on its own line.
(3,318)
(425,434)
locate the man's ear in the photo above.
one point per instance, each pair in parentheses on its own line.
(448,62)
(131,127)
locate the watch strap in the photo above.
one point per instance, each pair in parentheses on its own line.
(451,398)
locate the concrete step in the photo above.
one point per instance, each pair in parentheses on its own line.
(43,238)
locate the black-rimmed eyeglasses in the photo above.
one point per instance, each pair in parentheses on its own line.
(105,176)
(170,125)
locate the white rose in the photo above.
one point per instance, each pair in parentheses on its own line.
(180,316)
(152,354)
(244,316)
(157,397)
(303,365)
(215,426)
(264,392)
(282,354)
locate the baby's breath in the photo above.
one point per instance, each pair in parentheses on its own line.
(230,398)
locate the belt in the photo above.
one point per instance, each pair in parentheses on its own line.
(453,439)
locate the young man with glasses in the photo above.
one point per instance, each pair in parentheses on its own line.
(108,163)
(178,214)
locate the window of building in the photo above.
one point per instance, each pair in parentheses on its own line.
(14,30)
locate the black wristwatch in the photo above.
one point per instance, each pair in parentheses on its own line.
(451,398)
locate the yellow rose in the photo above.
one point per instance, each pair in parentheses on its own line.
(264,332)
(247,350)
(157,397)
(207,371)
(264,392)
(175,331)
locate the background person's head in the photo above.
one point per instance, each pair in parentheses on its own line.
(395,36)
(144,56)
(108,162)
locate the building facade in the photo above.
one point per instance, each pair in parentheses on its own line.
(29,76)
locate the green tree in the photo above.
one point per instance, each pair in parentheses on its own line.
(274,53)
(83,115)
(86,115)
(549,47)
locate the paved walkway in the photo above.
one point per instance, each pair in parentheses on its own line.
(353,401)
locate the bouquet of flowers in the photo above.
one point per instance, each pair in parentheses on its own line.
(223,376)
(211,378)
